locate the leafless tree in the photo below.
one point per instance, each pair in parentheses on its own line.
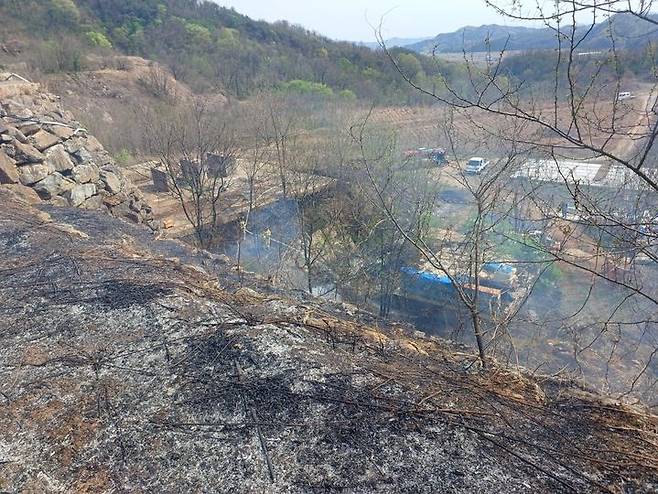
(400,202)
(197,146)
(308,191)
(255,157)
(284,127)
(159,82)
(603,225)
(461,261)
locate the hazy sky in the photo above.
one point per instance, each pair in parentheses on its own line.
(348,19)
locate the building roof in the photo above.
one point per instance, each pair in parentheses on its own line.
(581,172)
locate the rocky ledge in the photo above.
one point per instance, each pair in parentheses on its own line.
(45,155)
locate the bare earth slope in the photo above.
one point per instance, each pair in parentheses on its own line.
(125,369)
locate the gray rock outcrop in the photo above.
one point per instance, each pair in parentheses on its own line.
(8,170)
(43,148)
(53,185)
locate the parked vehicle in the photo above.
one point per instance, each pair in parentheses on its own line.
(624,95)
(435,156)
(476,166)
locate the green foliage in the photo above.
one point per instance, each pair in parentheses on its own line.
(124,157)
(409,64)
(347,95)
(345,65)
(98,39)
(64,11)
(308,88)
(229,35)
(198,34)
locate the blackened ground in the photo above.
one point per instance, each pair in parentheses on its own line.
(132,364)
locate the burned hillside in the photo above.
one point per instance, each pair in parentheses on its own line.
(132,364)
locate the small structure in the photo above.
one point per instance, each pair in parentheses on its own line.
(188,169)
(219,165)
(585,173)
(160,180)
(439,290)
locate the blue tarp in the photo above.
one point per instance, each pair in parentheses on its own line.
(425,276)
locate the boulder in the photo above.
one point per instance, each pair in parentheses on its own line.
(134,217)
(85,173)
(62,132)
(94,202)
(92,144)
(135,205)
(24,113)
(114,200)
(31,174)
(8,171)
(29,128)
(59,158)
(121,210)
(53,185)
(147,217)
(111,182)
(111,168)
(24,153)
(74,144)
(82,156)
(103,158)
(59,201)
(77,147)
(155,225)
(137,194)
(17,110)
(80,193)
(25,193)
(10,133)
(42,140)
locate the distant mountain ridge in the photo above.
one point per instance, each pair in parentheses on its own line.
(397,42)
(628,30)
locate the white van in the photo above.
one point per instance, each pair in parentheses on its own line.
(475,166)
(625,95)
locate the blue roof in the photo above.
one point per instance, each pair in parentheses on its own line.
(424,275)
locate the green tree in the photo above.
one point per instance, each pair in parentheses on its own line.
(308,88)
(409,65)
(98,39)
(64,11)
(198,34)
(347,95)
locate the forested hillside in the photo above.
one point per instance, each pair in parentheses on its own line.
(211,47)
